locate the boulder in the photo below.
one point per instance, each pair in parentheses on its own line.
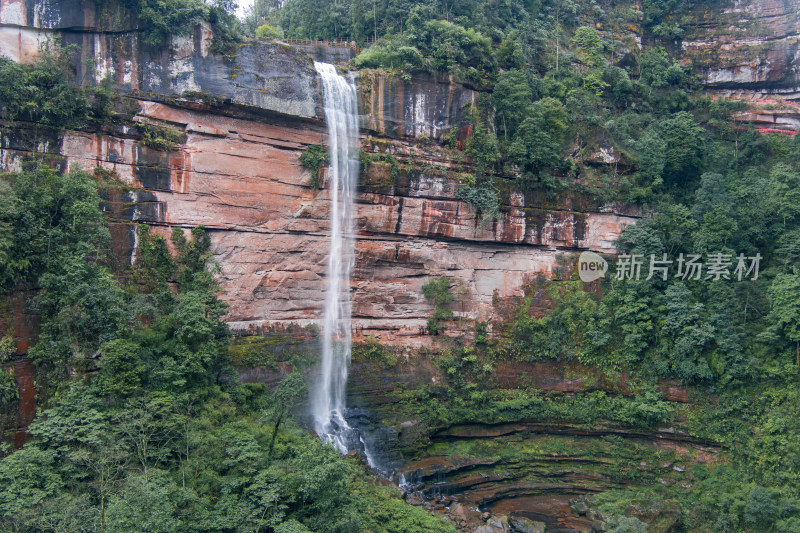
(523,525)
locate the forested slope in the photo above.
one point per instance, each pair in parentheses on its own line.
(145,426)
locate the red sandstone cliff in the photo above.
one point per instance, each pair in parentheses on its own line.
(247,121)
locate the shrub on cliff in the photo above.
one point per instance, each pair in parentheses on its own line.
(313,158)
(449,47)
(54,217)
(43,91)
(537,144)
(390,52)
(267,31)
(46,91)
(159,20)
(162,138)
(437,291)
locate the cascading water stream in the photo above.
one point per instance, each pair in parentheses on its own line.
(328,396)
(347,429)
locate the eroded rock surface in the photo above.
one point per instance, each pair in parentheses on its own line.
(248,118)
(241,179)
(749,45)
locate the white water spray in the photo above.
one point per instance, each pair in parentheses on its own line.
(340,104)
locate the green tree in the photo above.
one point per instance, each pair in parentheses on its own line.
(712,194)
(784,185)
(511,97)
(154,265)
(122,368)
(621,87)
(28,478)
(652,158)
(286,396)
(785,294)
(653,67)
(538,143)
(147,429)
(589,46)
(686,335)
(54,217)
(144,504)
(684,144)
(161,19)
(82,306)
(104,464)
(510,54)
(390,52)
(45,91)
(451,47)
(761,507)
(261,12)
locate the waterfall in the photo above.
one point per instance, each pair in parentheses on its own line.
(347,429)
(328,395)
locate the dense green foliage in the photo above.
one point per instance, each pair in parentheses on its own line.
(162,19)
(45,92)
(560,88)
(564,85)
(469,392)
(734,338)
(693,330)
(266,31)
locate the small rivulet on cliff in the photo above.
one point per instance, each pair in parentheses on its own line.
(165,223)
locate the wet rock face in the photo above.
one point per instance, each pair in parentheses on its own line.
(428,104)
(531,471)
(265,76)
(752,45)
(24,375)
(19,320)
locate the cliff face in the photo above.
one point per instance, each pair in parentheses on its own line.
(248,118)
(246,122)
(750,50)
(747,45)
(242,180)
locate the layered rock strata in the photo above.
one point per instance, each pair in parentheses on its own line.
(525,468)
(748,46)
(247,119)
